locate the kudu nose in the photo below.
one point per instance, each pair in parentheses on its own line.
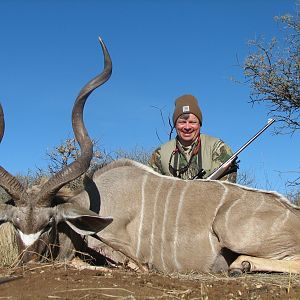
(28,256)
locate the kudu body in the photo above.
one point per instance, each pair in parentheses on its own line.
(159,222)
(174,225)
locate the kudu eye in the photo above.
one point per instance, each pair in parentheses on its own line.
(16,223)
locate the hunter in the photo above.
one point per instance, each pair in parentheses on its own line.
(191,155)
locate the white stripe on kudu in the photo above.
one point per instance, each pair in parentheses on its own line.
(139,235)
(178,214)
(223,199)
(164,224)
(156,198)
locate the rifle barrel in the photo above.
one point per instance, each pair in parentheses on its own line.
(212,175)
(270,122)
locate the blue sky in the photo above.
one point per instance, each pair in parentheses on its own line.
(160,50)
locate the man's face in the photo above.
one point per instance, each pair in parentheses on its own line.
(188,128)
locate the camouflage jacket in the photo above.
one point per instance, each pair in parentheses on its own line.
(172,159)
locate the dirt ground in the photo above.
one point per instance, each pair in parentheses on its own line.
(62,281)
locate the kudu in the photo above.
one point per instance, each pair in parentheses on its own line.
(159,222)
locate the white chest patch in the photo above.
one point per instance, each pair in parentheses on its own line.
(29,239)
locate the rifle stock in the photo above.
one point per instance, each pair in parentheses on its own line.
(220,171)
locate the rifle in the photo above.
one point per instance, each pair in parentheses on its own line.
(223,169)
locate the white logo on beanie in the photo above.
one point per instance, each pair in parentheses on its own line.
(185,108)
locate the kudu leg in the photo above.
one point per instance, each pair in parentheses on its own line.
(118,248)
(246,263)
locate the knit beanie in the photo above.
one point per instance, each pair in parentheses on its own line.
(187,104)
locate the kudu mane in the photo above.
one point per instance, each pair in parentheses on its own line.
(124,162)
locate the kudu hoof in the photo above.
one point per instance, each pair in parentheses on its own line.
(245,268)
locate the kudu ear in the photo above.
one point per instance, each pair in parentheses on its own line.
(81,220)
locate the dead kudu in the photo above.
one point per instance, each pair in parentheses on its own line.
(159,222)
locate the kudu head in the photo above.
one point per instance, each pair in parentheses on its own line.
(33,212)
